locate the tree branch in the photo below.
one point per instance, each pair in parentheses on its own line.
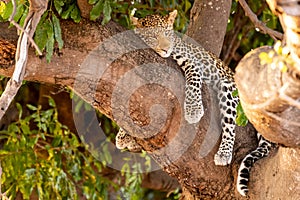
(209,35)
(11,20)
(260,25)
(30,24)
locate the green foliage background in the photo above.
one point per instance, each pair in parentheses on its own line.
(41,156)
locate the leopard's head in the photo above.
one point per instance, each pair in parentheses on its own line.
(157,32)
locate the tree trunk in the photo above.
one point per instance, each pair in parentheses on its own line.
(208,22)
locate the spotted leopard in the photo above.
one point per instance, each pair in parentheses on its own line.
(198,66)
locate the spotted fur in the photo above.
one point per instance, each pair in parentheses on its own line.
(125,140)
(198,66)
(244,171)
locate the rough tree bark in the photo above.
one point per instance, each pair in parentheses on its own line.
(209,35)
(196,172)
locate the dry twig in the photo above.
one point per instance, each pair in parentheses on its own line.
(259,24)
(37,8)
(11,20)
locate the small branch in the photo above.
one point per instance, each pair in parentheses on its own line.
(29,38)
(22,49)
(37,8)
(15,82)
(11,20)
(262,26)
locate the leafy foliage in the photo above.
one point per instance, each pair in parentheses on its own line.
(48,32)
(6,10)
(242,36)
(133,178)
(241,118)
(119,10)
(41,156)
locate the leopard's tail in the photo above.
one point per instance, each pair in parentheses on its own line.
(244,171)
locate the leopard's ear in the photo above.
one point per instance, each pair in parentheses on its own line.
(134,20)
(172,16)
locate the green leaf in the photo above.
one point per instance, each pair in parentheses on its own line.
(2,8)
(41,36)
(57,141)
(43,127)
(107,155)
(19,12)
(13,128)
(4,152)
(50,40)
(25,128)
(93,1)
(125,169)
(7,11)
(152,3)
(96,10)
(66,13)
(235,93)
(75,14)
(57,31)
(106,12)
(58,4)
(31,107)
(51,102)
(19,107)
(188,5)
(78,106)
(24,15)
(241,118)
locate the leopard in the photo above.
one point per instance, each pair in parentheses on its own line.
(199,66)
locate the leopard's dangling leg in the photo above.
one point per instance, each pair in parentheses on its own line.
(227,104)
(244,171)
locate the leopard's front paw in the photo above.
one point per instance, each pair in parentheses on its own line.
(124,140)
(223,158)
